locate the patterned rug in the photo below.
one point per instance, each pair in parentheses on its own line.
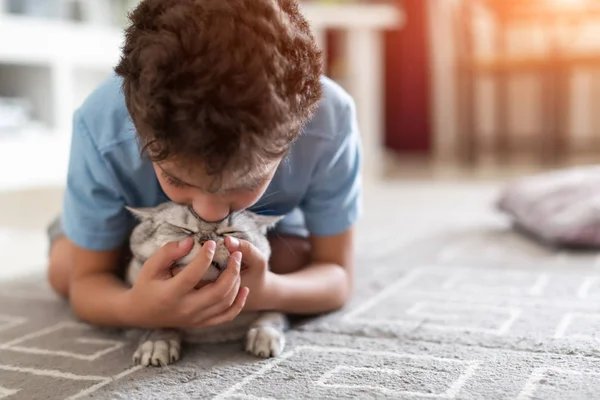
(450,303)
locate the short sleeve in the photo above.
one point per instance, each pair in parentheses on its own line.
(93,214)
(333,201)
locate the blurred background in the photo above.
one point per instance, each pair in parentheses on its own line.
(466,90)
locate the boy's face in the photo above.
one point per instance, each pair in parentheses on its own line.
(193,187)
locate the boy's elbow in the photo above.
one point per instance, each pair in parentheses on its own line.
(343,295)
(340,302)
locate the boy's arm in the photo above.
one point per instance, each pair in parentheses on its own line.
(96,293)
(324,285)
(157,300)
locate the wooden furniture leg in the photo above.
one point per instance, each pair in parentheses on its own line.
(467,137)
(501,145)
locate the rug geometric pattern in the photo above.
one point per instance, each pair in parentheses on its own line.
(445,307)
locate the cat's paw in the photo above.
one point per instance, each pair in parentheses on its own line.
(265,341)
(158,353)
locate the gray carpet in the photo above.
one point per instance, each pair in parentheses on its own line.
(450,303)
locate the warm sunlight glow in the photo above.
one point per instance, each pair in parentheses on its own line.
(568,2)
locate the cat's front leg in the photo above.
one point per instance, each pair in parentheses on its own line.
(158,347)
(266,337)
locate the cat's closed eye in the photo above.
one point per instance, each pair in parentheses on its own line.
(229,231)
(184,230)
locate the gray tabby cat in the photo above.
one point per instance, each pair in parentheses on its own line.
(264,331)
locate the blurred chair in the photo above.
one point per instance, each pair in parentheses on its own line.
(552,68)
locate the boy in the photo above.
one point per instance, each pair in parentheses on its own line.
(219,105)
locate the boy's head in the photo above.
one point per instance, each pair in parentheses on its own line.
(218,90)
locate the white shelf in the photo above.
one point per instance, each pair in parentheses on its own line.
(27,40)
(77,57)
(69,50)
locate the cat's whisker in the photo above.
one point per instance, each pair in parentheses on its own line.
(267,203)
(270,194)
(267,210)
(286,243)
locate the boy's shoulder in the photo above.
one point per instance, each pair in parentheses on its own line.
(105,115)
(335,113)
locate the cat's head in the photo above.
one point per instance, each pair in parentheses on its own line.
(170,222)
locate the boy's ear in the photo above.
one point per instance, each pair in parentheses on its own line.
(266,221)
(141,213)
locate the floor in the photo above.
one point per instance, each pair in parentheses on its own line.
(450,302)
(23,219)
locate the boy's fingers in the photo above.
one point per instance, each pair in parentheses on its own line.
(250,254)
(165,256)
(193,272)
(230,313)
(229,279)
(217,306)
(216,292)
(231,272)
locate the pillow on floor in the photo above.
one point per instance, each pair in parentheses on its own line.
(559,207)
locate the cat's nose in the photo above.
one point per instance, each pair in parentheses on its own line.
(203,241)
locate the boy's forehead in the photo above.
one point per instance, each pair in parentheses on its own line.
(196,176)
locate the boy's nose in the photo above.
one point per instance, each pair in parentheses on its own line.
(211,214)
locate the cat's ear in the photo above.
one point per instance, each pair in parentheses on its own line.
(141,213)
(266,221)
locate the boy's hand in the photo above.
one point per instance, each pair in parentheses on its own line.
(159,300)
(255,273)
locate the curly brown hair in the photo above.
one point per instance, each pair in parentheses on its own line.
(228,83)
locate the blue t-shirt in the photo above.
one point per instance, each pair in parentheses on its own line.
(320,177)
